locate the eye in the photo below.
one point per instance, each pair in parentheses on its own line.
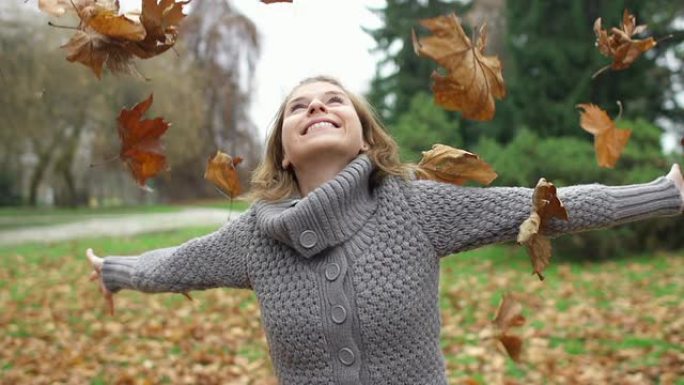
(296,107)
(335,99)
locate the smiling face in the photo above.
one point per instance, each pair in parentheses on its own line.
(320,123)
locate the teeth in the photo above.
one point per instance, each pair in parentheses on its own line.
(320,125)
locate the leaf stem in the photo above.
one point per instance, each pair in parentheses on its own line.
(619,103)
(597,73)
(51,24)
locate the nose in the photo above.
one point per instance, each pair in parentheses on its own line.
(316,106)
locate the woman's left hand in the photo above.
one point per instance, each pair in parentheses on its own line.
(675,175)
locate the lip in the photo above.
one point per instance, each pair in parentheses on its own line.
(311,123)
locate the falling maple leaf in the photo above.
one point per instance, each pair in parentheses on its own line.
(609,141)
(141,148)
(107,39)
(619,45)
(508,315)
(222,173)
(473,80)
(452,165)
(545,205)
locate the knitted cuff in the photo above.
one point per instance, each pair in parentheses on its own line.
(640,201)
(117,272)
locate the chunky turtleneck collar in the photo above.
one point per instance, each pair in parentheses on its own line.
(327,216)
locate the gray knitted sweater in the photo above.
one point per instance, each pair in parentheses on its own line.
(347,277)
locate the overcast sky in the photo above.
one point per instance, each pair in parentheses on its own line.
(305,38)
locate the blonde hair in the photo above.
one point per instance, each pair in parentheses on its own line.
(270,182)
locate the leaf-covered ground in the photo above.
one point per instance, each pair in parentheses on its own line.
(620,322)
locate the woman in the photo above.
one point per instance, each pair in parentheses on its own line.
(342,246)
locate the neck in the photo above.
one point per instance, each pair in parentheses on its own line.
(313,174)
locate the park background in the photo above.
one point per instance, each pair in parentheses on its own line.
(610,310)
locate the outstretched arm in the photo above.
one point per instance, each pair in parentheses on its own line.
(215,260)
(459,218)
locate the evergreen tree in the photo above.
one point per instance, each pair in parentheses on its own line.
(401,74)
(552,56)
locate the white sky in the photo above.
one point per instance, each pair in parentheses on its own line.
(305,38)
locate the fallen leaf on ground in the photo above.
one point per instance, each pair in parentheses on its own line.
(609,141)
(545,205)
(618,43)
(222,173)
(141,147)
(473,81)
(452,165)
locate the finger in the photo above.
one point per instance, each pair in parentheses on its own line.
(94,275)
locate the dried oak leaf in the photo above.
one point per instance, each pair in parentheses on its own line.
(141,148)
(609,141)
(473,80)
(618,43)
(508,315)
(452,165)
(222,173)
(545,205)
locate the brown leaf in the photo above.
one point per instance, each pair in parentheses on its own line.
(619,45)
(109,23)
(161,20)
(473,80)
(452,165)
(222,173)
(141,147)
(512,345)
(609,141)
(509,315)
(545,205)
(107,39)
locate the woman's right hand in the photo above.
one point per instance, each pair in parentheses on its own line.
(96,263)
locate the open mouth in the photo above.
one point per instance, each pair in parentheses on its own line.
(320,125)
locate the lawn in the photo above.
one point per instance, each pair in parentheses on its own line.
(618,322)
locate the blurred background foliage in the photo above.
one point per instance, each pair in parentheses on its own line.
(548,55)
(58,119)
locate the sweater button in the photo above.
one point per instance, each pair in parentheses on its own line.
(346,356)
(332,271)
(339,314)
(308,239)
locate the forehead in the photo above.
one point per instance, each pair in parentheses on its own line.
(314,89)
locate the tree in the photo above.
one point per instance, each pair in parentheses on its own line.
(551,60)
(400,73)
(224,45)
(423,125)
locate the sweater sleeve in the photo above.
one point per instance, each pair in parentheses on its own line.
(457,218)
(218,259)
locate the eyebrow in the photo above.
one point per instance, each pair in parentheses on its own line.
(300,98)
